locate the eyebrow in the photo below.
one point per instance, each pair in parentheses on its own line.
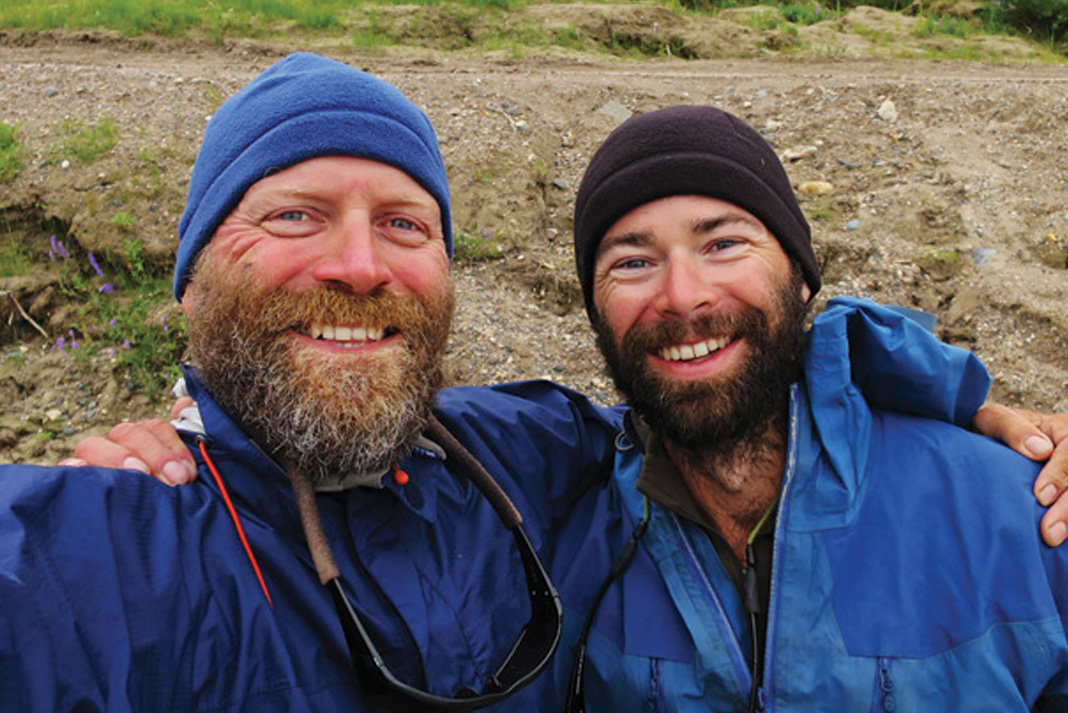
(707,225)
(638,238)
(641,238)
(299,192)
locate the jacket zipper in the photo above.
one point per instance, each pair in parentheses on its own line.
(766,689)
(737,655)
(745,675)
(884,700)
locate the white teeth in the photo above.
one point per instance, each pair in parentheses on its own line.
(688,352)
(346,336)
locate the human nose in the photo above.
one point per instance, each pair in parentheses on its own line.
(685,291)
(354,258)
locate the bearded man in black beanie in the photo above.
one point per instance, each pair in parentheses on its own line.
(800,548)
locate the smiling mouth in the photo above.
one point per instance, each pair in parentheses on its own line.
(694,351)
(348,336)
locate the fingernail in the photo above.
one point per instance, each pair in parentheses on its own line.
(1057,531)
(1037,446)
(72,462)
(1047,495)
(132,463)
(175,473)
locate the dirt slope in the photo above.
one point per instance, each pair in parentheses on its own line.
(953,200)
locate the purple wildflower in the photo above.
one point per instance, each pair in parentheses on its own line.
(58,249)
(125,343)
(61,344)
(111,322)
(95,265)
(106,288)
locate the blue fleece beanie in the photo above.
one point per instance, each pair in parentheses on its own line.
(303,107)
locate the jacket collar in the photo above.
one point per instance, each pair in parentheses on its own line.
(253,476)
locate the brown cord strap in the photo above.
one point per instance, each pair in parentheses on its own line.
(506,510)
(304,494)
(313,527)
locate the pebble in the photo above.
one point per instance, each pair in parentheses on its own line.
(853,224)
(983,255)
(887,112)
(615,111)
(815,188)
(51,91)
(799,152)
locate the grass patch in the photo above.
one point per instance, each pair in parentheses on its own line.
(123,220)
(10,154)
(943,26)
(15,257)
(486,24)
(467,248)
(86,142)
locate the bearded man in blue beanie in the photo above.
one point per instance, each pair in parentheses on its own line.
(340,550)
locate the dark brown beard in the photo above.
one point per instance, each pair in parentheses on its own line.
(714,417)
(324,415)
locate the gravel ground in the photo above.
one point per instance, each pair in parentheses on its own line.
(952,200)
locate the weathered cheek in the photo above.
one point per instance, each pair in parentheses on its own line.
(425,273)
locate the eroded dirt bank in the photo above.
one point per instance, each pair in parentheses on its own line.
(953,200)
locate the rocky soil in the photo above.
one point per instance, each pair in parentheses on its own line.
(935,184)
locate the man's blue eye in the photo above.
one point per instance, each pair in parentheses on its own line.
(634,263)
(292,215)
(724,244)
(403,224)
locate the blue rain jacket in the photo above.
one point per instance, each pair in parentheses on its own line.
(118,593)
(908,571)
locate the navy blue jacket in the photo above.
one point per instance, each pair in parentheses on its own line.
(118,593)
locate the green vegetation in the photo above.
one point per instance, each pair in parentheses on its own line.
(467,249)
(487,24)
(15,259)
(123,219)
(10,155)
(86,142)
(115,305)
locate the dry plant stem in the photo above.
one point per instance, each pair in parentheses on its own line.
(25,316)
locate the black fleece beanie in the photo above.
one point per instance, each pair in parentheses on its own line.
(687,150)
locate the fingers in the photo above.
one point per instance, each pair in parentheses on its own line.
(1052,482)
(102,452)
(1039,437)
(1016,428)
(149,446)
(182,403)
